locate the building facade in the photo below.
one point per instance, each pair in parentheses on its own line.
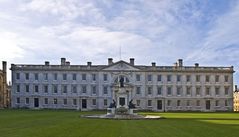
(236,99)
(157,88)
(4,88)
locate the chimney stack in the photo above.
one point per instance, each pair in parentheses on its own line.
(180,62)
(196,65)
(153,64)
(68,63)
(236,88)
(47,63)
(131,61)
(89,64)
(110,61)
(63,61)
(4,66)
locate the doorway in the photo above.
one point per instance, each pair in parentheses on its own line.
(122,101)
(36,102)
(84,103)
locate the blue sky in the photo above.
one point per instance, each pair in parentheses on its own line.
(203,31)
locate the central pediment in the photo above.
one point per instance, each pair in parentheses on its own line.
(121,65)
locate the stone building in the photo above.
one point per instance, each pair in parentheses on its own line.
(152,87)
(236,99)
(4,88)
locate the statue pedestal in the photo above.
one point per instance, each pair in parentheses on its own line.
(110,111)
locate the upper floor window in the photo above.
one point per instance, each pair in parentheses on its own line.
(217,90)
(198,90)
(74,89)
(217,78)
(226,78)
(83,76)
(138,90)
(46,88)
(149,77)
(18,88)
(137,77)
(55,76)
(207,78)
(169,90)
(93,77)
(64,76)
(188,77)
(64,88)
(207,90)
(36,88)
(179,91)
(105,77)
(197,78)
(159,77)
(188,90)
(149,90)
(168,77)
(36,76)
(93,89)
(17,75)
(105,90)
(74,76)
(27,76)
(159,90)
(45,75)
(84,90)
(226,90)
(27,88)
(178,78)
(55,88)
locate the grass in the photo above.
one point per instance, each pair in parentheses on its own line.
(67,123)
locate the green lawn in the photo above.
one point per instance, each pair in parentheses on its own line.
(64,123)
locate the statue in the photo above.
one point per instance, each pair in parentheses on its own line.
(121,82)
(131,104)
(113,105)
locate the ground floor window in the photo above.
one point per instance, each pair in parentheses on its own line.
(93,102)
(149,103)
(105,102)
(178,103)
(198,103)
(46,101)
(18,100)
(65,101)
(188,103)
(74,102)
(55,101)
(169,103)
(27,101)
(138,102)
